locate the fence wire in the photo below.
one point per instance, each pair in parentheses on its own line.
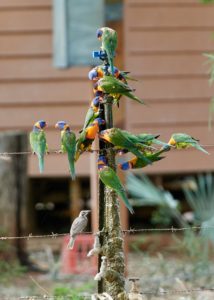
(58,151)
(126,231)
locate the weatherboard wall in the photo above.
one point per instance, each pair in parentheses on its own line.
(164,45)
(31,88)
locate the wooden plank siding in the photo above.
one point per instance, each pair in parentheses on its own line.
(164,43)
(31,88)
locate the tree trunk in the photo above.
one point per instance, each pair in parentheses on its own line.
(13,187)
(112,243)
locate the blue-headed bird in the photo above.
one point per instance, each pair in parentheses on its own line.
(138,163)
(108,37)
(116,137)
(93,111)
(183,140)
(87,136)
(109,177)
(116,88)
(99,72)
(68,144)
(38,142)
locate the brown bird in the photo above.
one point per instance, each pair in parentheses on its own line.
(77,227)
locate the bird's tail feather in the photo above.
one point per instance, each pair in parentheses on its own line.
(197,146)
(133,97)
(140,155)
(41,163)
(71,165)
(71,243)
(111,62)
(123,196)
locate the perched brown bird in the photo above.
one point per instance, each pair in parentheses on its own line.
(78,226)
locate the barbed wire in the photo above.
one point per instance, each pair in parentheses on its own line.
(124,231)
(58,151)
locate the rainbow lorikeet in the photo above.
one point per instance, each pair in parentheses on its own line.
(146,139)
(68,144)
(116,88)
(183,140)
(108,37)
(116,137)
(138,163)
(38,142)
(99,72)
(87,136)
(93,111)
(109,177)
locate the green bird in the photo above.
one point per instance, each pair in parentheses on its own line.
(109,177)
(108,37)
(116,137)
(68,144)
(87,137)
(116,88)
(145,139)
(99,72)
(183,140)
(38,142)
(138,163)
(93,111)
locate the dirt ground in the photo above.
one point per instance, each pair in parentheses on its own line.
(161,277)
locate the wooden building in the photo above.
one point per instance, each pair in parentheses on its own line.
(161,43)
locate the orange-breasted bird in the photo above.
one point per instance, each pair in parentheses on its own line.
(87,136)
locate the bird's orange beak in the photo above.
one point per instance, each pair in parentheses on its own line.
(105,136)
(37,125)
(172,142)
(66,126)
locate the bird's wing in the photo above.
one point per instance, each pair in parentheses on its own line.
(78,226)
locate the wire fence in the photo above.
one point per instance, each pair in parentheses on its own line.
(172,230)
(58,151)
(125,231)
(148,293)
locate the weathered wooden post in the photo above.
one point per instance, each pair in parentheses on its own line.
(109,216)
(13,187)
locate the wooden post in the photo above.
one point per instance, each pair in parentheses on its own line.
(13,188)
(75,199)
(113,244)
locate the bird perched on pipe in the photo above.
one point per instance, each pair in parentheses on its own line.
(109,177)
(87,136)
(116,137)
(93,111)
(68,144)
(183,140)
(108,37)
(78,225)
(116,88)
(38,142)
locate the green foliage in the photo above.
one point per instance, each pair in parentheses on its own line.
(199,193)
(145,193)
(9,267)
(162,216)
(9,270)
(207,1)
(64,292)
